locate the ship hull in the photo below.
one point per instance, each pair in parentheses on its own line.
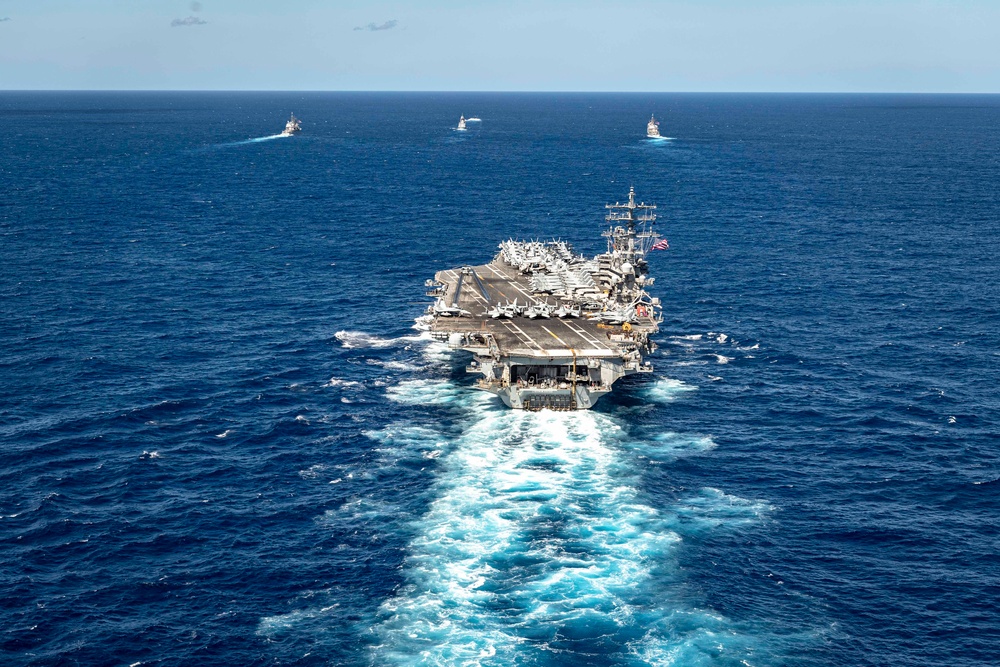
(542,363)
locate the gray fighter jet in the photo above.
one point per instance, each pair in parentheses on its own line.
(542,310)
(563,313)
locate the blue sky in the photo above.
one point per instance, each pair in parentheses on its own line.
(545,45)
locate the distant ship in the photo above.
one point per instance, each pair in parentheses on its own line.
(292,126)
(653,128)
(461,123)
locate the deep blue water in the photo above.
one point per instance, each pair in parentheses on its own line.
(224,442)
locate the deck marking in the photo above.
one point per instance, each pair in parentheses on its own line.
(525,334)
(557,337)
(511,330)
(512,282)
(474,294)
(584,334)
(576,336)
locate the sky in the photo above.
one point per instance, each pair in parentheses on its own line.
(502,45)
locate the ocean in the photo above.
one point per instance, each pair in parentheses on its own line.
(227,441)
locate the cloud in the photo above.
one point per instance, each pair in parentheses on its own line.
(191,20)
(388,25)
(195,7)
(6,18)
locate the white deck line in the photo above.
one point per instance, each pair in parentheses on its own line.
(522,336)
(512,282)
(568,352)
(522,332)
(552,333)
(511,330)
(584,334)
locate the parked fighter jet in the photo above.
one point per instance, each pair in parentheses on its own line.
(542,310)
(505,311)
(620,316)
(442,309)
(562,312)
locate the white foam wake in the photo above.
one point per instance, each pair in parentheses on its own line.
(667,390)
(257,140)
(433,351)
(537,543)
(427,392)
(361,339)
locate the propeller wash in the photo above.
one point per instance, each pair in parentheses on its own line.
(549,328)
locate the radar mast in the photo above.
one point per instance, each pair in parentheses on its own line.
(634,240)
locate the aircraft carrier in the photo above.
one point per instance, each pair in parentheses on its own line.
(549,328)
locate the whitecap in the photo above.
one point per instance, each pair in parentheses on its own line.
(271,626)
(312,472)
(400,442)
(224,433)
(722,359)
(667,390)
(359,339)
(364,510)
(427,392)
(394,365)
(711,508)
(683,442)
(346,384)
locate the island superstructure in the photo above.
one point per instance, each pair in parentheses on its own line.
(549,328)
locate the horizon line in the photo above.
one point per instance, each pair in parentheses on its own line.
(501,91)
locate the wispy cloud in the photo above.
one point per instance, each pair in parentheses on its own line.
(195,7)
(191,20)
(6,18)
(373,27)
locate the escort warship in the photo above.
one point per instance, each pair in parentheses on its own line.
(653,128)
(549,328)
(293,126)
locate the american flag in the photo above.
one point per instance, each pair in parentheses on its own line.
(660,245)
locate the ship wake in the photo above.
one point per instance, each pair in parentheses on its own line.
(257,140)
(538,546)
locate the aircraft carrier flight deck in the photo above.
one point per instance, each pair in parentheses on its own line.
(548,328)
